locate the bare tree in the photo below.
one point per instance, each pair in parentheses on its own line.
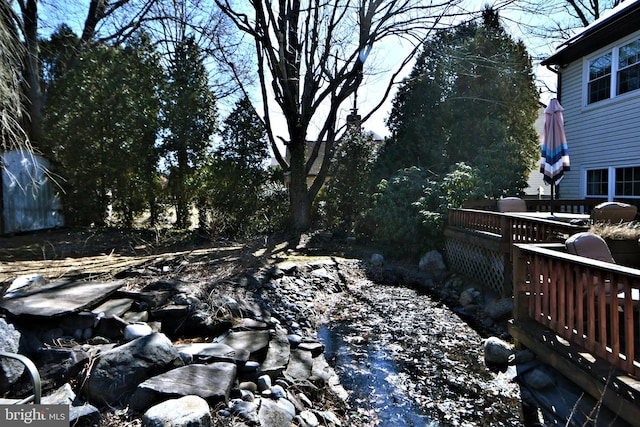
(311,58)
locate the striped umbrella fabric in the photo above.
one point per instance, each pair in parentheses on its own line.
(555,151)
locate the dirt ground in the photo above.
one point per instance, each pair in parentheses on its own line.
(430,359)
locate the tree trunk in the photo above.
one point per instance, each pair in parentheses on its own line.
(298,192)
(31,72)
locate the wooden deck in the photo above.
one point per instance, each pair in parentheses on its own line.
(562,310)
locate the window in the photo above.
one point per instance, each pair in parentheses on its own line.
(614,73)
(600,78)
(629,67)
(597,183)
(628,182)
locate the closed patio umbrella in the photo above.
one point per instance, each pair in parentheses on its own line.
(555,152)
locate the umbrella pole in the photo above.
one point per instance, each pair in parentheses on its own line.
(551,205)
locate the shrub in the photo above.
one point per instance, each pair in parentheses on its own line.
(410,209)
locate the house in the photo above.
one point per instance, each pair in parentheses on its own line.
(536,187)
(599,87)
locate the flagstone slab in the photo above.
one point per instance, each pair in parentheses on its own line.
(253,341)
(214,351)
(114,307)
(211,382)
(59,298)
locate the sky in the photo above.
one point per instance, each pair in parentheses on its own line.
(518,25)
(385,56)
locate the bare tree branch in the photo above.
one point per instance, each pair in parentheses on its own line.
(312,56)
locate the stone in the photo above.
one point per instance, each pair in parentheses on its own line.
(469,297)
(286,406)
(315,348)
(432,262)
(22,285)
(153,299)
(329,418)
(287,268)
(136,330)
(271,414)
(111,327)
(10,370)
(255,342)
(278,392)
(81,320)
(249,386)
(500,309)
(247,411)
(186,411)
(80,413)
(214,352)
(377,260)
(300,365)
(539,379)
(211,382)
(58,365)
(136,316)
(114,306)
(277,356)
(246,324)
(294,340)
(309,418)
(497,352)
(117,372)
(264,382)
(322,273)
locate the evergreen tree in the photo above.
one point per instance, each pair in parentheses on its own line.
(237,171)
(471,98)
(189,121)
(346,196)
(102,122)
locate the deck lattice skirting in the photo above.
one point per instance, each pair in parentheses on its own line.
(485,265)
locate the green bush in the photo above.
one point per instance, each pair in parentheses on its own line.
(410,209)
(394,219)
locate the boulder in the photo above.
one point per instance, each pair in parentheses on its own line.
(277,354)
(432,262)
(377,260)
(57,365)
(273,414)
(256,342)
(10,370)
(186,411)
(497,352)
(211,382)
(500,309)
(80,413)
(117,372)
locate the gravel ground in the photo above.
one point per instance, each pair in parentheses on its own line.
(403,356)
(407,360)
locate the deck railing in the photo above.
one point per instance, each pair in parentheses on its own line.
(587,302)
(480,242)
(579,315)
(513,227)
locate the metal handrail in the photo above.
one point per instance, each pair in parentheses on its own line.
(35,377)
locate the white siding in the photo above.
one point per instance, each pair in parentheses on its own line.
(600,135)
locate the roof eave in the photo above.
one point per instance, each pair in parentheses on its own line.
(614,28)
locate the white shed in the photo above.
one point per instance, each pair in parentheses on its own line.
(29,197)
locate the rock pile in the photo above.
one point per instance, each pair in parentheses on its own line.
(170,356)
